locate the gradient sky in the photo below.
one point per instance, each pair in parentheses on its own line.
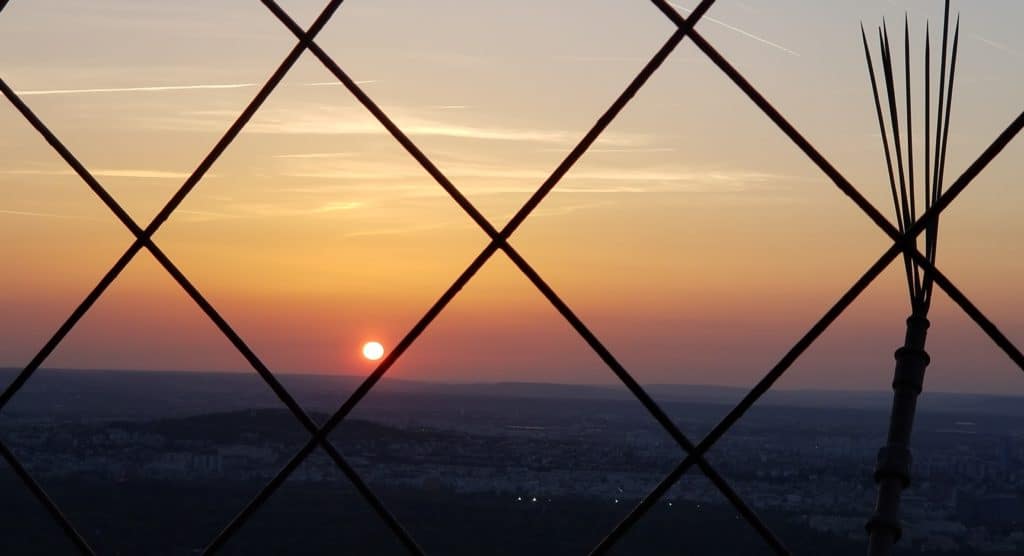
(694,238)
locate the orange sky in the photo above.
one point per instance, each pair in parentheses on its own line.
(694,239)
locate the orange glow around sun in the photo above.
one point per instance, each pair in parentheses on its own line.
(373,350)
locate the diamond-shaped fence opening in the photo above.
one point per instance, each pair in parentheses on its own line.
(319,200)
(984,214)
(49,268)
(318,430)
(736,298)
(318,510)
(549,452)
(145,143)
(694,506)
(454,76)
(101,470)
(25,515)
(838,358)
(111,496)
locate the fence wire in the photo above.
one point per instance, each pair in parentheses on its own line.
(903,243)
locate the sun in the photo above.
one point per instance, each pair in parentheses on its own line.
(373,350)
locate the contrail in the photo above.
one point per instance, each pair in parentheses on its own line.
(994,44)
(134,89)
(163,88)
(721,23)
(40,214)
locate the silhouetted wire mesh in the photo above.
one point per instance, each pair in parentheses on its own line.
(903,243)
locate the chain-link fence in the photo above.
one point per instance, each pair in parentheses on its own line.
(903,243)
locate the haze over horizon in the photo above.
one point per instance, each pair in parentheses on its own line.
(694,238)
(731,393)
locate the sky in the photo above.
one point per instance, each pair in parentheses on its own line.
(694,239)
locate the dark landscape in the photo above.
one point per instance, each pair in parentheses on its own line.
(158,462)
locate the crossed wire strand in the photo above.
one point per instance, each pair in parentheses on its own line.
(903,243)
(144,239)
(900,245)
(499,241)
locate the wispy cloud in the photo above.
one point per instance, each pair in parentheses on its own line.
(145,174)
(619,150)
(632,150)
(460,223)
(403,230)
(356,169)
(202,215)
(34,214)
(735,29)
(166,88)
(316,155)
(384,178)
(996,45)
(337,206)
(337,83)
(564,209)
(104,173)
(156,89)
(379,186)
(375,171)
(329,120)
(600,59)
(238,210)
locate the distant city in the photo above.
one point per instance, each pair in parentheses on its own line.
(158,462)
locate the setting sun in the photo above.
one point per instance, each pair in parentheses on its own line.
(373,350)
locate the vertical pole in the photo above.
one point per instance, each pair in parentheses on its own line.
(892,472)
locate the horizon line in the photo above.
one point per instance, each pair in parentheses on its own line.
(606,386)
